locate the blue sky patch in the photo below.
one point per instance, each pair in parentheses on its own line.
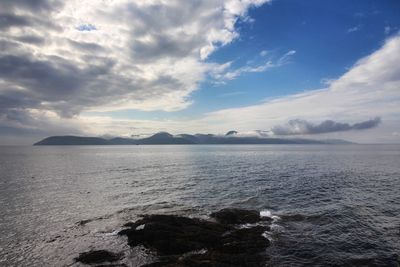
(86,27)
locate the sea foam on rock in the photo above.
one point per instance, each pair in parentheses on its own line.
(182,241)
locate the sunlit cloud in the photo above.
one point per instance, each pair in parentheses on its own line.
(111,55)
(62,59)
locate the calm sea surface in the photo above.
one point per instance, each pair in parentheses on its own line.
(332,205)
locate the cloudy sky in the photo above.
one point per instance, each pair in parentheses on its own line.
(315,69)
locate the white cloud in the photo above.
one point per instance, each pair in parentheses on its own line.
(61,58)
(354,29)
(371,88)
(224,72)
(77,55)
(110,55)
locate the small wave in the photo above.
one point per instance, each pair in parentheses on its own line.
(265,213)
(274,226)
(109,233)
(294,217)
(248,225)
(140,227)
(268,214)
(267,235)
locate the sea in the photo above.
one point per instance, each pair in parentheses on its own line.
(331,205)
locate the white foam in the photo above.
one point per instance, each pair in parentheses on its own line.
(268,213)
(247,225)
(140,227)
(275,227)
(275,218)
(265,213)
(113,232)
(267,235)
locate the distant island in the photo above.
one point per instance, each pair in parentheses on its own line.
(164,138)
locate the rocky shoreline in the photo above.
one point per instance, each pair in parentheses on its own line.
(231,238)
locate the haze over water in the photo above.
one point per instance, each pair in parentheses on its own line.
(332,205)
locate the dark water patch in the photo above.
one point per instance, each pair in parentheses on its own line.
(345,236)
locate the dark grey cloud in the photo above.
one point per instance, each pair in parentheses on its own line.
(31,39)
(81,73)
(53,84)
(367,124)
(301,127)
(53,80)
(86,46)
(21,127)
(9,20)
(47,78)
(169,42)
(163,45)
(13,98)
(33,14)
(31,5)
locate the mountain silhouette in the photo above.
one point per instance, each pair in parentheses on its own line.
(164,138)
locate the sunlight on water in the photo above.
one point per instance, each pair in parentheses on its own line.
(329,205)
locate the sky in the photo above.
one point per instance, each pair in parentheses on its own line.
(271,68)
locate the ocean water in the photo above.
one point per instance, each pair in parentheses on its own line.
(334,205)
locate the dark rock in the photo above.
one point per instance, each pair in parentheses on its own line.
(98,256)
(171,235)
(181,241)
(236,216)
(129,224)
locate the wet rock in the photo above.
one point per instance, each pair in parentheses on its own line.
(170,235)
(236,216)
(181,241)
(98,256)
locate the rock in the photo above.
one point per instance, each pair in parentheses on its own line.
(236,216)
(170,235)
(98,256)
(181,241)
